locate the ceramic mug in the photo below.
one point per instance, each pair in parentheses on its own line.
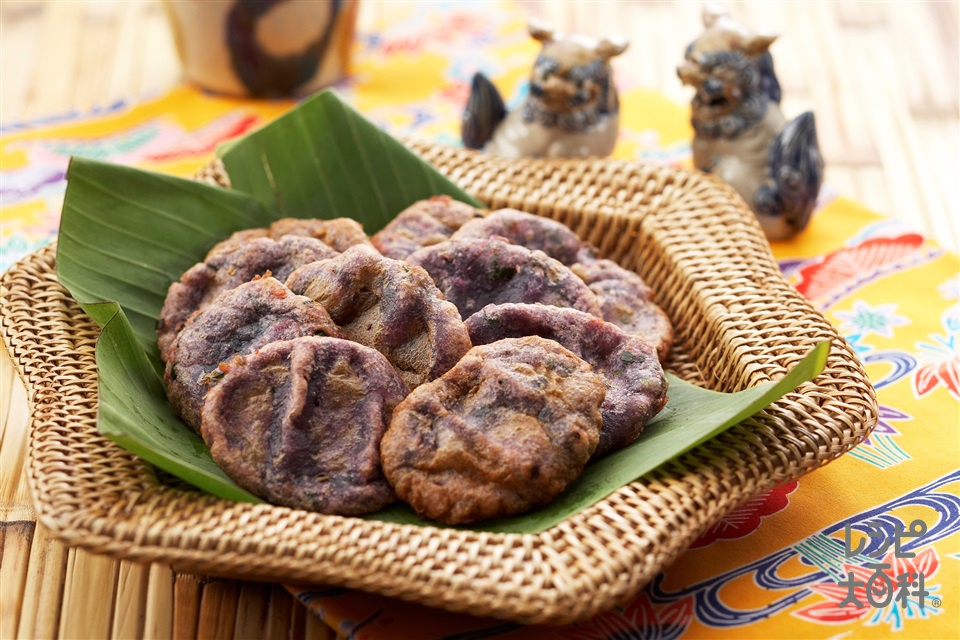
(263,48)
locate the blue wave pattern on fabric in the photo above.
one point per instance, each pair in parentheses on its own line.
(711,610)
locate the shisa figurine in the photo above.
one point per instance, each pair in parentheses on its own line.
(741,135)
(571,110)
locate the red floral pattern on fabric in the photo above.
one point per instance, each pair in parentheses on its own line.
(850,263)
(204,140)
(746,518)
(930,376)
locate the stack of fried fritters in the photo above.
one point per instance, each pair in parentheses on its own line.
(469,363)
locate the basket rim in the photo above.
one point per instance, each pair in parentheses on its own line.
(147,521)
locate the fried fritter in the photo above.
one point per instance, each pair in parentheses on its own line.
(238,322)
(592,270)
(636,386)
(339,234)
(227,268)
(626,301)
(533,232)
(474,273)
(390,306)
(507,429)
(623,307)
(299,424)
(237,239)
(423,224)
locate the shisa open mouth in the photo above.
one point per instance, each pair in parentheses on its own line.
(713,102)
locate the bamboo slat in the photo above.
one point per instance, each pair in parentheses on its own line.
(61,34)
(129,611)
(43,591)
(90,581)
(252,610)
(218,610)
(15,503)
(187,592)
(17,537)
(160,618)
(280,609)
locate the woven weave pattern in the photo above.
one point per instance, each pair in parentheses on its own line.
(738,324)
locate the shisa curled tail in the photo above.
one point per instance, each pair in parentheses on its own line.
(484,112)
(795,173)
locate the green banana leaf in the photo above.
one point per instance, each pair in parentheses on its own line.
(324,160)
(134,412)
(126,234)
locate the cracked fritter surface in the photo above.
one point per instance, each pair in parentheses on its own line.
(339,233)
(473,273)
(525,229)
(237,239)
(626,301)
(227,268)
(591,270)
(299,424)
(422,224)
(507,429)
(388,305)
(635,383)
(236,323)
(621,306)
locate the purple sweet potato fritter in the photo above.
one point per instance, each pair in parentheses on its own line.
(505,430)
(227,268)
(388,305)
(473,273)
(626,301)
(636,386)
(621,306)
(299,424)
(592,270)
(527,230)
(422,224)
(238,322)
(236,240)
(339,233)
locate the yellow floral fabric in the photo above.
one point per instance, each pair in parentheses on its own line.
(777,566)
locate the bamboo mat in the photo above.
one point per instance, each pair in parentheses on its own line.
(882,79)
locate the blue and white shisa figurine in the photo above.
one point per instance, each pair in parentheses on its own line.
(572,108)
(740,134)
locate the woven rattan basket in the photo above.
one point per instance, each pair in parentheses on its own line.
(738,323)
